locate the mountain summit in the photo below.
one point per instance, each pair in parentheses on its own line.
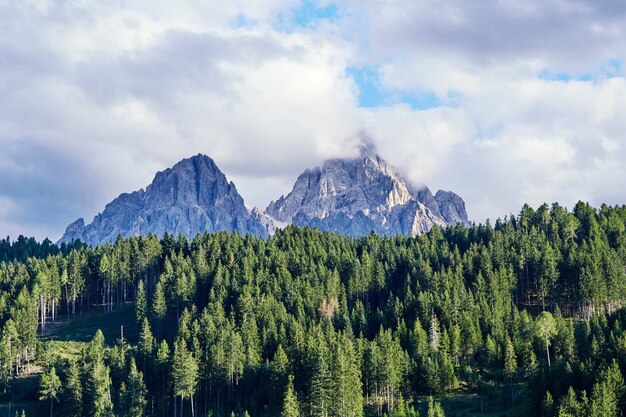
(192,197)
(348,196)
(364,194)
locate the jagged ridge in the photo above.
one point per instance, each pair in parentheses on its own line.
(348,196)
(192,197)
(364,194)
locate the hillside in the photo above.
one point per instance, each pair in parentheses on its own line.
(520,318)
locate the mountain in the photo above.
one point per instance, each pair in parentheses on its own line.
(364,194)
(192,197)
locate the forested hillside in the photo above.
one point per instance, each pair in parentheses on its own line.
(525,312)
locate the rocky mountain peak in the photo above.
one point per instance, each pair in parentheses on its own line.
(358,195)
(352,196)
(191,197)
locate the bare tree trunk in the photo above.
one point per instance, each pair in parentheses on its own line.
(67,302)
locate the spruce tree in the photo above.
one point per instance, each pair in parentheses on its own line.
(73,392)
(141,303)
(49,386)
(434,408)
(159,305)
(291,408)
(134,398)
(97,393)
(184,373)
(510,364)
(146,343)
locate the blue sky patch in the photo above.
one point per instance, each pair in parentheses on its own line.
(372,94)
(608,69)
(241,21)
(309,12)
(305,15)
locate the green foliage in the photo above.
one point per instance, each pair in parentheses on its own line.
(73,392)
(133,395)
(291,407)
(184,371)
(365,325)
(141,303)
(435,409)
(546,330)
(49,386)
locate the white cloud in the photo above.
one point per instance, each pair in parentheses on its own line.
(96,97)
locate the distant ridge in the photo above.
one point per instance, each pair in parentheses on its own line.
(364,194)
(192,197)
(348,196)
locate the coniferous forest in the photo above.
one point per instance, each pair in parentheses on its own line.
(522,317)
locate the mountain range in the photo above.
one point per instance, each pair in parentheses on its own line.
(352,196)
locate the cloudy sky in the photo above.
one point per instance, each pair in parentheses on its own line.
(501,101)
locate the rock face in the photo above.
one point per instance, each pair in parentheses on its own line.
(357,196)
(348,196)
(192,197)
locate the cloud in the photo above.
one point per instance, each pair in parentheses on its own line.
(99,98)
(501,101)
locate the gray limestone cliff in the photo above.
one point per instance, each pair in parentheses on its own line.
(348,196)
(365,194)
(192,197)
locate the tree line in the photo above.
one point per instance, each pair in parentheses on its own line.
(310,323)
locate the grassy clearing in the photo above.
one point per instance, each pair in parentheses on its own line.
(82,329)
(496,403)
(65,340)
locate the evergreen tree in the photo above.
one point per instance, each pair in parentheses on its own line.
(73,392)
(162,367)
(97,393)
(141,303)
(433,334)
(159,305)
(184,373)
(49,386)
(134,397)
(291,408)
(146,342)
(510,364)
(435,409)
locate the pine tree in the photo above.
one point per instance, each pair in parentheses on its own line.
(569,405)
(319,384)
(146,342)
(603,401)
(291,408)
(159,305)
(447,376)
(141,303)
(184,373)
(99,384)
(49,386)
(134,398)
(434,408)
(279,370)
(346,398)
(97,395)
(510,364)
(162,366)
(73,392)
